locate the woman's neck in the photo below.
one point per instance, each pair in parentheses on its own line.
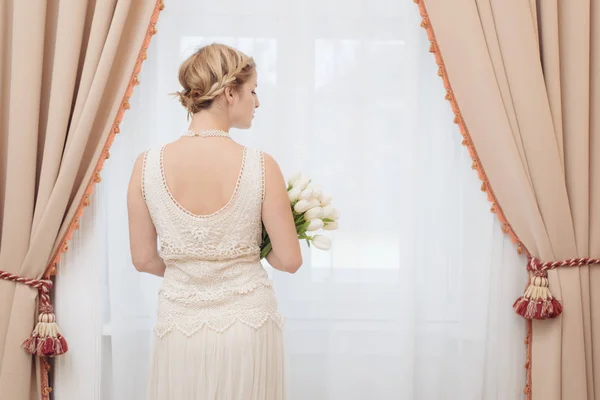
(207,120)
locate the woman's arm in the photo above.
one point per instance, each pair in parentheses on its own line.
(142,233)
(279,221)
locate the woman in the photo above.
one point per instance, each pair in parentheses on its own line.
(204,199)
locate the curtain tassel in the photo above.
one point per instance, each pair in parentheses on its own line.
(537,302)
(45,340)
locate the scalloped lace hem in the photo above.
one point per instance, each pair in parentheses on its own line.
(220,326)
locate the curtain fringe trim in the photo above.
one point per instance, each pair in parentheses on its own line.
(468,142)
(104,155)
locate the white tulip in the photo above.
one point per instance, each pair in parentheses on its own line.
(325,200)
(336,215)
(331,226)
(321,242)
(302,206)
(294,178)
(313,203)
(315,225)
(328,211)
(317,191)
(301,183)
(307,194)
(313,213)
(331,212)
(294,194)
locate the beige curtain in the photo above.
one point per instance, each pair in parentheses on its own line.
(525,79)
(65,66)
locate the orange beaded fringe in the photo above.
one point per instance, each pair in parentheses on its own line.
(468,142)
(85,201)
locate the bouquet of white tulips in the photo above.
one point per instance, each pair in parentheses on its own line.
(312,212)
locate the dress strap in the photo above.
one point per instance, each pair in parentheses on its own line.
(144,163)
(262,173)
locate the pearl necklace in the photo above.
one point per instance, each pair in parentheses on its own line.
(209,133)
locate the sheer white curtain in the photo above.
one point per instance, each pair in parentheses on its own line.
(414,300)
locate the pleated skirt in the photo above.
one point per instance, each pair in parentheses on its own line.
(241,363)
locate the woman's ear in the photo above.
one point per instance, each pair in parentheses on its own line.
(229,94)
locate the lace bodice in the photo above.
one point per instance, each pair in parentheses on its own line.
(214,275)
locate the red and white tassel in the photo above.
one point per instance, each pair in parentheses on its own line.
(46,340)
(537,302)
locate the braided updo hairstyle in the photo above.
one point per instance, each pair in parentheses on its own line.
(206,73)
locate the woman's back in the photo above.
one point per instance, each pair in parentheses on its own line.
(201,215)
(203,175)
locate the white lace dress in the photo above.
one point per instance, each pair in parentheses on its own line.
(218,333)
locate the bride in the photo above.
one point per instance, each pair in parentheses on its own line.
(196,210)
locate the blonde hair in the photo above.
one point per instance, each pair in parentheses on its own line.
(206,73)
